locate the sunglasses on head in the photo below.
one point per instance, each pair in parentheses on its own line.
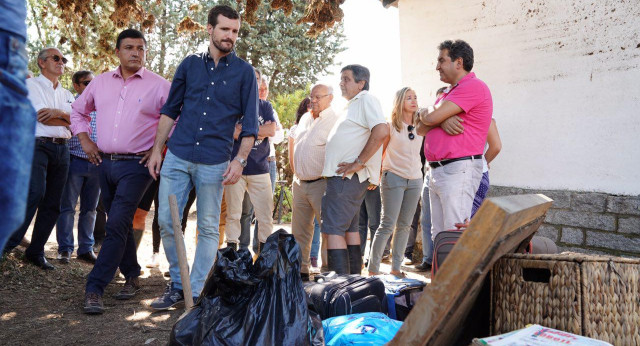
(57,58)
(411,135)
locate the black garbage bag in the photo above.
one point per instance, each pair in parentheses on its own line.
(245,303)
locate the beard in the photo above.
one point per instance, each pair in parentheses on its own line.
(220,47)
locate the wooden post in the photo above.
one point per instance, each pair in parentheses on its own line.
(182,252)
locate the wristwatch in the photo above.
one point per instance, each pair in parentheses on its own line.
(242,161)
(360,162)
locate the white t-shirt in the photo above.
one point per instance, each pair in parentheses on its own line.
(43,95)
(310,138)
(403,154)
(350,134)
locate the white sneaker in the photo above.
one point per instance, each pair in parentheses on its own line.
(155,261)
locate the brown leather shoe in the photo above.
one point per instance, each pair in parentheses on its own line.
(131,287)
(93,304)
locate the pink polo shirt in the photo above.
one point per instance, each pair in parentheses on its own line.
(473,96)
(127,112)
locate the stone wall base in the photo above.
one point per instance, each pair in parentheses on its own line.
(588,222)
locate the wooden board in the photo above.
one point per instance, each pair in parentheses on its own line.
(499,227)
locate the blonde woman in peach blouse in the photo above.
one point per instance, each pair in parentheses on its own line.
(401,182)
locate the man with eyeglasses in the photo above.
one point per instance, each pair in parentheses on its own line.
(127,102)
(84,182)
(353,158)
(307,160)
(455,151)
(51,156)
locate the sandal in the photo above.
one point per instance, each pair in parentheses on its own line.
(400,274)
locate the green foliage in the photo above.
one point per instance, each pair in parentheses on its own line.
(287,104)
(86,31)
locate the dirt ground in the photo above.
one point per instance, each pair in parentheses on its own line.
(45,307)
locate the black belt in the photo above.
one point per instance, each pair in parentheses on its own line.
(311,181)
(436,164)
(53,140)
(118,157)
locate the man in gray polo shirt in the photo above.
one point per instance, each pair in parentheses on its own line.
(353,158)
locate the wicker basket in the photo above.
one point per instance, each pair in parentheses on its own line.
(594,296)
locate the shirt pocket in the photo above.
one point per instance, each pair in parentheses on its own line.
(228,92)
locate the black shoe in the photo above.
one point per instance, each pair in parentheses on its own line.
(93,304)
(40,261)
(423,267)
(131,287)
(88,257)
(64,257)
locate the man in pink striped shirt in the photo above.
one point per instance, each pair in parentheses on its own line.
(127,102)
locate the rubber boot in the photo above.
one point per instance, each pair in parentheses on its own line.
(355,259)
(338,260)
(139,219)
(233,245)
(137,237)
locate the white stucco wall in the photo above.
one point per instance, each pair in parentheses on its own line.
(565,79)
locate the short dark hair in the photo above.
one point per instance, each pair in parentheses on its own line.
(360,73)
(79,75)
(459,49)
(130,33)
(224,10)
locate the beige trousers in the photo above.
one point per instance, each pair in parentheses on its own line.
(261,196)
(307,204)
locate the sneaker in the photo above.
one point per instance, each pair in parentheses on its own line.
(155,261)
(131,287)
(64,257)
(170,298)
(93,304)
(423,267)
(407,261)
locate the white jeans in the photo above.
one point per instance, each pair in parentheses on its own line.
(259,188)
(451,192)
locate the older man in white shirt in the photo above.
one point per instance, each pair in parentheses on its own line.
(352,162)
(51,156)
(307,159)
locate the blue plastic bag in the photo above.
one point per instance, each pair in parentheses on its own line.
(370,328)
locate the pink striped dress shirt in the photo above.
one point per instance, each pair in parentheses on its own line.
(127,112)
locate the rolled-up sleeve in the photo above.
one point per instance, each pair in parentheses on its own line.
(175,100)
(249,105)
(81,109)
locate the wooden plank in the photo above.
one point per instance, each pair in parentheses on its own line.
(500,225)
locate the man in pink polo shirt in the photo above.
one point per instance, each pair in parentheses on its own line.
(127,102)
(456,130)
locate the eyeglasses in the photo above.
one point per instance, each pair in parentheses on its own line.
(86,83)
(57,58)
(317,98)
(411,135)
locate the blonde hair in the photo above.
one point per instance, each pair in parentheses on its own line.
(398,109)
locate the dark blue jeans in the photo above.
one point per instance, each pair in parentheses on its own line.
(49,171)
(17,128)
(122,185)
(84,182)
